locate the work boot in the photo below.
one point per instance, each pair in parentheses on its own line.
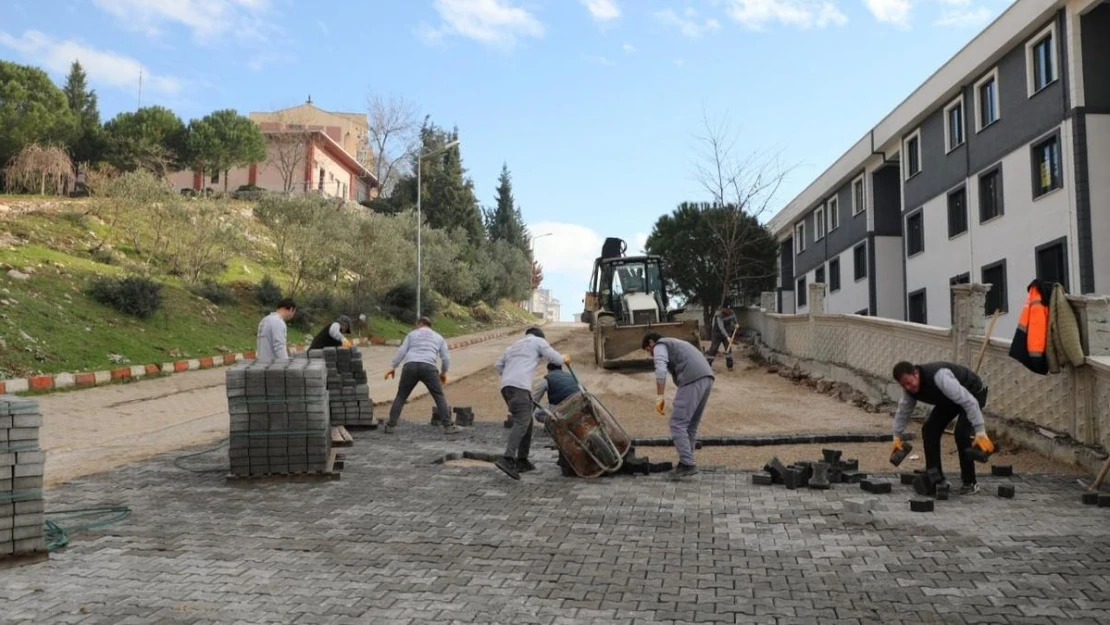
(524,465)
(508,465)
(969,488)
(729,363)
(683,470)
(389,428)
(451,429)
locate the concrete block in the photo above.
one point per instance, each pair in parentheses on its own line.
(64,380)
(1006,491)
(102,377)
(762,479)
(1089,499)
(1104,501)
(880,488)
(921,505)
(1002,470)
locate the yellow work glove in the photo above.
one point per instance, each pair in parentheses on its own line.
(983,442)
(388,374)
(660,405)
(897,445)
(566,359)
(443,378)
(346,343)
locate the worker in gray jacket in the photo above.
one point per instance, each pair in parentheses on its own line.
(516,367)
(694,377)
(270,344)
(724,324)
(419,352)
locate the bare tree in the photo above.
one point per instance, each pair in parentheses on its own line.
(287,153)
(38,168)
(394,136)
(744,186)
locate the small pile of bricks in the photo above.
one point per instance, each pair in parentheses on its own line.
(21,471)
(348,386)
(279,417)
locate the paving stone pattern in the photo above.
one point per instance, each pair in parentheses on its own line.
(21,473)
(401,540)
(279,417)
(348,386)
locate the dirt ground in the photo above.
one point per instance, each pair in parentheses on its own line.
(746,401)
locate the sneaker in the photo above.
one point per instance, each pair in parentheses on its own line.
(508,465)
(451,429)
(969,488)
(390,428)
(684,470)
(524,465)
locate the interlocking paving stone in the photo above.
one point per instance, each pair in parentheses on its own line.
(403,540)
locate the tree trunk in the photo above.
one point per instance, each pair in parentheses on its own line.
(225,180)
(42,184)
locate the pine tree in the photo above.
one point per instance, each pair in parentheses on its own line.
(505,223)
(87,142)
(448,199)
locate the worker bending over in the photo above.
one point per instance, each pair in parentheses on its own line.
(694,378)
(517,366)
(955,392)
(558,385)
(270,344)
(419,351)
(332,335)
(724,324)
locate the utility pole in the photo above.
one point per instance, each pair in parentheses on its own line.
(140,87)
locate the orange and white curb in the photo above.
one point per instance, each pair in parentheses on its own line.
(133,372)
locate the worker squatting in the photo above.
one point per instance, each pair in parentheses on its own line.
(954,391)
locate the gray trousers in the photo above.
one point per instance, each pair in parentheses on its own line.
(689,406)
(412,373)
(718,342)
(519,402)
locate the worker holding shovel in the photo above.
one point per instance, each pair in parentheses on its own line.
(724,331)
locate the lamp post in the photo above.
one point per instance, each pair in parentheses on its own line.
(532,293)
(419,220)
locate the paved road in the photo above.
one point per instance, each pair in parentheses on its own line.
(93,430)
(400,540)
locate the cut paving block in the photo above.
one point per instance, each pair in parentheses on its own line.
(1002,470)
(762,479)
(1104,501)
(880,488)
(1090,499)
(921,505)
(776,470)
(820,478)
(1006,491)
(908,478)
(942,491)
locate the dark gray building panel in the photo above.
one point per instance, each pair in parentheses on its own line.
(940,171)
(786,264)
(1095,31)
(852,230)
(887,201)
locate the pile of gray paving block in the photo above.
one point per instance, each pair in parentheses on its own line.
(348,386)
(21,471)
(279,417)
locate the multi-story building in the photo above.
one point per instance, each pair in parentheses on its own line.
(544,305)
(996,170)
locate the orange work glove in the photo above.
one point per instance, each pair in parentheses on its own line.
(983,442)
(388,374)
(897,445)
(346,343)
(566,359)
(660,405)
(443,378)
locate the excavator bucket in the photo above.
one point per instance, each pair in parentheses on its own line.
(615,344)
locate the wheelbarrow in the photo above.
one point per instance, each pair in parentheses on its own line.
(586,433)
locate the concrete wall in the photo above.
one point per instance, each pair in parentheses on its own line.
(1098,163)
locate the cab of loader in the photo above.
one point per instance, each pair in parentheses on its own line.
(630,288)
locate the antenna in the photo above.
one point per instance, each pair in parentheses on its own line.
(140,87)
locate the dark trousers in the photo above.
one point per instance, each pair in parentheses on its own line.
(718,342)
(519,402)
(933,430)
(412,373)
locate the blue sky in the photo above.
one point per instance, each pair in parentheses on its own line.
(594,104)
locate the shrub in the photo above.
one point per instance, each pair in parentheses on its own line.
(400,302)
(103,256)
(137,296)
(214,292)
(268,293)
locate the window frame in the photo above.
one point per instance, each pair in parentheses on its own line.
(1061,242)
(801,298)
(1004,308)
(1034,156)
(799,237)
(1048,32)
(996,169)
(832,209)
(925,308)
(819,224)
(920,214)
(958,102)
(914,136)
(820,274)
(859,203)
(989,76)
(967,224)
(855,267)
(833,288)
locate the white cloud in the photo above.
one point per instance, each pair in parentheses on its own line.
(496,23)
(895,12)
(103,67)
(628,48)
(598,60)
(207,19)
(602,10)
(571,248)
(688,23)
(804,14)
(965,18)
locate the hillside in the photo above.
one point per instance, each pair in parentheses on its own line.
(51,251)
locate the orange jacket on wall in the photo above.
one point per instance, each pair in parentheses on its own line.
(1031,336)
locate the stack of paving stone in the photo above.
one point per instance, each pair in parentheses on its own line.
(279,417)
(21,471)
(348,386)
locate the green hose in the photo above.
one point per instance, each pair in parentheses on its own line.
(220,445)
(57,536)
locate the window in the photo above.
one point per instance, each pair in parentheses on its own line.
(801,292)
(321,183)
(1040,60)
(834,213)
(957,212)
(916,311)
(913,155)
(859,256)
(819,278)
(990,195)
(1046,166)
(800,238)
(963,278)
(819,224)
(834,275)
(954,124)
(986,100)
(858,205)
(915,234)
(1052,262)
(995,275)
(215,177)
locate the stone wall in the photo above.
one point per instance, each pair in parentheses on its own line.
(862,351)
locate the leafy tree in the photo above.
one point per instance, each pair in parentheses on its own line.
(223,140)
(87,144)
(504,222)
(32,110)
(151,138)
(448,199)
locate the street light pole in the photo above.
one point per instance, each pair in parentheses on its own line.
(420,221)
(532,293)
